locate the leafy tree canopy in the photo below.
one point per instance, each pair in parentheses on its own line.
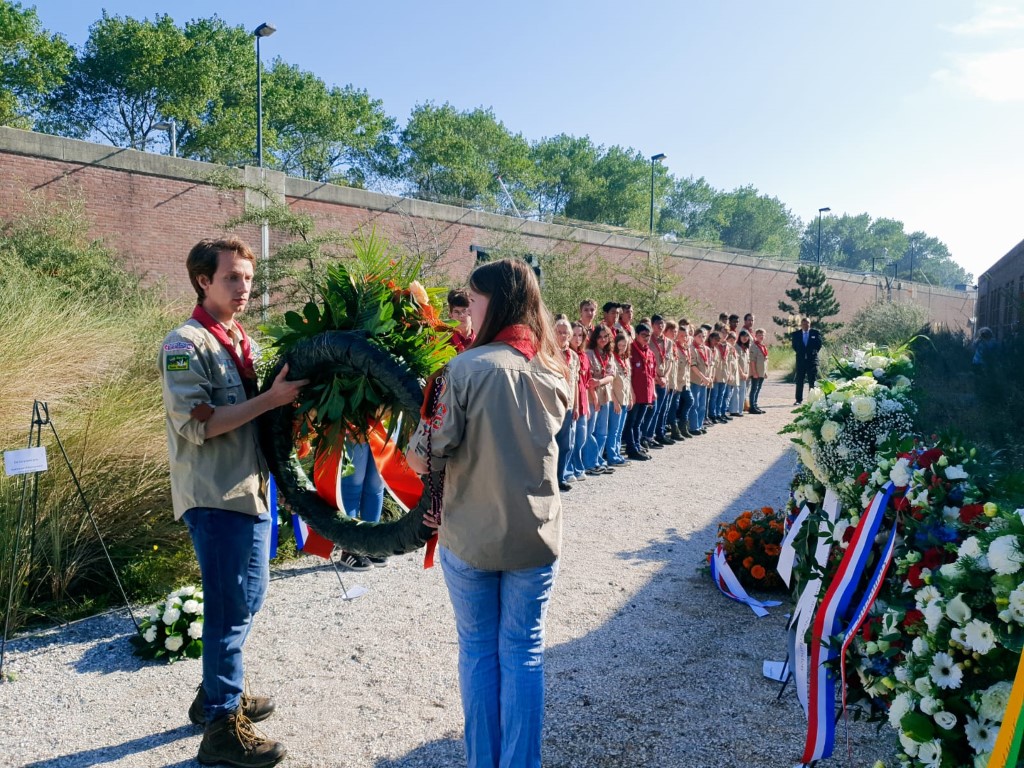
(33,63)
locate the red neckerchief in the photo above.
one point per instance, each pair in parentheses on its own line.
(244,364)
(461,342)
(602,359)
(684,351)
(520,338)
(660,342)
(703,352)
(763,348)
(723,350)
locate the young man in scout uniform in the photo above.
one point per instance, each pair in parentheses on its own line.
(458,310)
(588,308)
(219,487)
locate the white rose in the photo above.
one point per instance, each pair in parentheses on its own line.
(919,647)
(171,615)
(150,635)
(190,606)
(944,719)
(829,431)
(923,685)
(930,705)
(814,395)
(173,643)
(956,473)
(195,630)
(187,591)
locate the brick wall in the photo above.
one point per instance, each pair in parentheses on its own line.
(151,209)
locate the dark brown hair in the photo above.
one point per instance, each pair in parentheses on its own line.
(514,299)
(203,258)
(457,298)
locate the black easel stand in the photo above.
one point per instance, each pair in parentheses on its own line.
(40,419)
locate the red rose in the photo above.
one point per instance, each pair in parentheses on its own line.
(913,617)
(868,631)
(932,558)
(900,503)
(914,576)
(969,512)
(928,458)
(862,478)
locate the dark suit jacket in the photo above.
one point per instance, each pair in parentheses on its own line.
(808,353)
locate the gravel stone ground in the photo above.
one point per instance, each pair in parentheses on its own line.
(647,663)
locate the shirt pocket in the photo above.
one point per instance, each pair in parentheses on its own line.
(227,385)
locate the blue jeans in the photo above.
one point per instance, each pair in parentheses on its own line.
(666,417)
(700,400)
(362,492)
(634,425)
(232,549)
(685,406)
(499,616)
(576,461)
(755,391)
(593,452)
(564,441)
(715,403)
(650,427)
(616,422)
(727,398)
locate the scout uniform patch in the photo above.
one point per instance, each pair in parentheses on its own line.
(176,362)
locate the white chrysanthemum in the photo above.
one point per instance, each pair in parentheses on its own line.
(829,431)
(994,700)
(969,547)
(1016,597)
(944,719)
(979,636)
(150,635)
(956,472)
(958,610)
(902,674)
(900,473)
(171,615)
(945,672)
(930,705)
(863,408)
(902,704)
(930,753)
(981,734)
(173,643)
(933,614)
(195,630)
(919,647)
(1004,555)
(190,606)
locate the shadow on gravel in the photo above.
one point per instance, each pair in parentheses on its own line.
(429,755)
(108,656)
(111,754)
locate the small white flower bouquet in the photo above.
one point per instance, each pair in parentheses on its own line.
(173,629)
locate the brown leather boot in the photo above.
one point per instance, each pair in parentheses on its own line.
(233,740)
(256,708)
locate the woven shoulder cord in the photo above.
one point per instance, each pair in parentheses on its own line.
(436,482)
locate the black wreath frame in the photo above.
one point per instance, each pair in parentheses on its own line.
(345,353)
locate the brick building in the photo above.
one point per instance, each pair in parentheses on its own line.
(1001,294)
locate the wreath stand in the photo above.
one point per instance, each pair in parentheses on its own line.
(40,419)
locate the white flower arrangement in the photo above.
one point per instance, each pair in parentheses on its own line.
(173,629)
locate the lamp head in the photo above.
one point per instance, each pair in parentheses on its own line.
(264,30)
(824,210)
(658,157)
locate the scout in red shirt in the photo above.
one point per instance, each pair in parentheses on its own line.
(458,310)
(641,366)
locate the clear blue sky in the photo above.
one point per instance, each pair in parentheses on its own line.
(912,110)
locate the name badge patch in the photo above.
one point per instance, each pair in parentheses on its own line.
(176,362)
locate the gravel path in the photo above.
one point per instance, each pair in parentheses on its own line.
(647,664)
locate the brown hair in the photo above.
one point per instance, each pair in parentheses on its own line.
(203,258)
(514,299)
(457,298)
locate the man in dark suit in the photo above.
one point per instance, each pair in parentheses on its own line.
(806,343)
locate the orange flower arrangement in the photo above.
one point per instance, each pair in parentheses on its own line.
(751,544)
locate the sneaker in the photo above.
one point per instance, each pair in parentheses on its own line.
(581,476)
(354,562)
(377,562)
(563,487)
(256,708)
(594,472)
(637,456)
(233,740)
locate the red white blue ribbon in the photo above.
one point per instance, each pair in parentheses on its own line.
(730,586)
(829,621)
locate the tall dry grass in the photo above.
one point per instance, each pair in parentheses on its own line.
(80,334)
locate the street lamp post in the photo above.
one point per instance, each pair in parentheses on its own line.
(263,30)
(654,159)
(172,131)
(820,211)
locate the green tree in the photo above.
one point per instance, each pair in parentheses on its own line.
(452,155)
(324,134)
(621,191)
(33,63)
(746,219)
(130,75)
(564,170)
(685,213)
(813,298)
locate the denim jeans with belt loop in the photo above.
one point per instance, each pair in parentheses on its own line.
(499,617)
(232,549)
(593,451)
(362,491)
